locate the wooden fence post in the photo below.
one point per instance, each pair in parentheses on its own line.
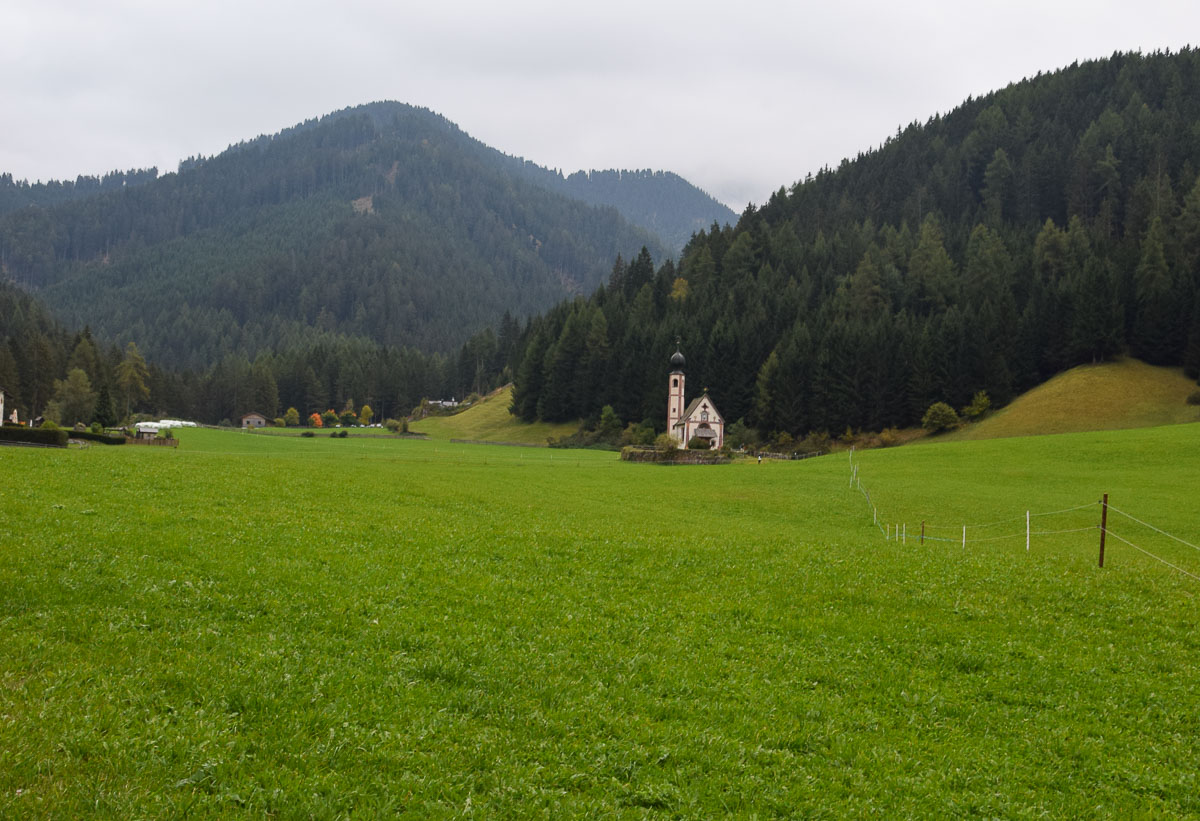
(1103,526)
(922,531)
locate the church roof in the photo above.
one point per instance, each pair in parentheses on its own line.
(677,360)
(695,403)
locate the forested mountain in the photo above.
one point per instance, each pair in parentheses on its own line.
(384,222)
(1054,222)
(663,203)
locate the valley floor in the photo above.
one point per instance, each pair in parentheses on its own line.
(252,625)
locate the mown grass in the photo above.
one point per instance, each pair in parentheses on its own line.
(1108,396)
(490,421)
(254,625)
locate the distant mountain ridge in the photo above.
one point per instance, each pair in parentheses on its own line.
(384,221)
(659,201)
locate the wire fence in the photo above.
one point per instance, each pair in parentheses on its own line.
(967,533)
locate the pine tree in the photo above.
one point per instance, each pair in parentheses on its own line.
(559,400)
(931,278)
(1096,314)
(529,395)
(766,413)
(997,187)
(793,382)
(74,400)
(1157,328)
(106,412)
(592,383)
(132,375)
(9,379)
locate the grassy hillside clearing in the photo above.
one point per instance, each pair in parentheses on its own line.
(490,421)
(253,625)
(1107,396)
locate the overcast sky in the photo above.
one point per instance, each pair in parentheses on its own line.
(739,98)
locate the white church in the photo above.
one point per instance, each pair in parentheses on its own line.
(700,418)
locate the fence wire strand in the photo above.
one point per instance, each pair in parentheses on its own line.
(996,538)
(1151,555)
(1152,527)
(1059,532)
(1068,509)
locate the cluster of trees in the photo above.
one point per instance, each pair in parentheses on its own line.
(348,418)
(70,377)
(65,377)
(338,372)
(1053,223)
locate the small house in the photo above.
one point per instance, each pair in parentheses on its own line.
(146,430)
(254,420)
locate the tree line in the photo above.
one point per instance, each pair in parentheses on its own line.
(69,376)
(16,194)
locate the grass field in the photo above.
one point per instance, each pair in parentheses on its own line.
(490,421)
(252,625)
(1106,396)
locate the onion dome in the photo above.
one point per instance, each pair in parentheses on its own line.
(677,360)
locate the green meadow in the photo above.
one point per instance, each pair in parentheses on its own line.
(252,626)
(490,421)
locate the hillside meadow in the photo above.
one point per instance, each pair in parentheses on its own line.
(489,420)
(1126,393)
(252,625)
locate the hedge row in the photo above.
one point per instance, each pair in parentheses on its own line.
(36,436)
(102,438)
(674,456)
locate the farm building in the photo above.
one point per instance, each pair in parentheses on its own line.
(146,430)
(254,420)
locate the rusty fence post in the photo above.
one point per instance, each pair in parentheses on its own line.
(1103,526)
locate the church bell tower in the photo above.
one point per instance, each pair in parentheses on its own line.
(675,402)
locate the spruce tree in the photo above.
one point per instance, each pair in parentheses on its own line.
(106,413)
(931,279)
(528,386)
(1096,314)
(1157,326)
(766,416)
